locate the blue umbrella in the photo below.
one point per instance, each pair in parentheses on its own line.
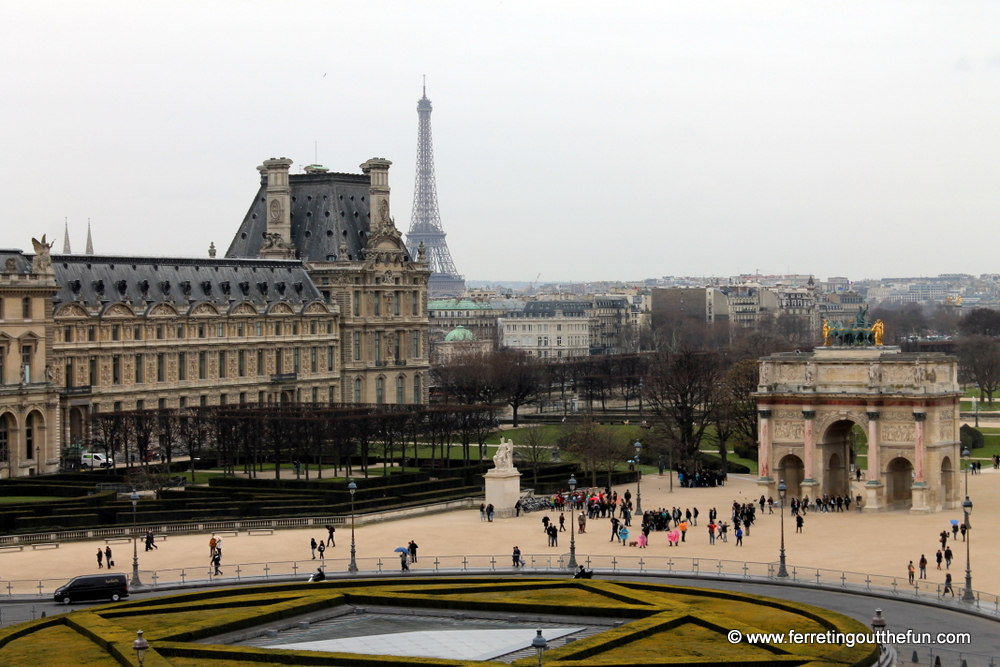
(401,549)
(954,522)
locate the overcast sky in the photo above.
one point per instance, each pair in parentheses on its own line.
(578,140)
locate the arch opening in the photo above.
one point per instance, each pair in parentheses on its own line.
(792,470)
(899,483)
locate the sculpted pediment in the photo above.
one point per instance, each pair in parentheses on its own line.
(72,310)
(118,310)
(205,309)
(162,310)
(316,308)
(281,308)
(243,308)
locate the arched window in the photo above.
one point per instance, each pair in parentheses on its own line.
(4,439)
(399,390)
(29,436)
(357,390)
(380,390)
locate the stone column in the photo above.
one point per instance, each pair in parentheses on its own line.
(920,493)
(918,446)
(764,452)
(873,487)
(277,209)
(873,447)
(809,448)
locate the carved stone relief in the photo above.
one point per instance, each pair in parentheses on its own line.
(785,430)
(899,432)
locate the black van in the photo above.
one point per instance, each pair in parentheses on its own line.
(112,587)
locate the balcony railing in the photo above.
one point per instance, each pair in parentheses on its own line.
(76,391)
(284,377)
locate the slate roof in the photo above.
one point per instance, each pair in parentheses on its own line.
(549,308)
(93,280)
(326,207)
(21,262)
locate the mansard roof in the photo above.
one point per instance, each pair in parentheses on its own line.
(326,208)
(96,280)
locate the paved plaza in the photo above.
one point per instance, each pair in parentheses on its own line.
(870,543)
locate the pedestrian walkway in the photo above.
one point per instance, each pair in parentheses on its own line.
(873,543)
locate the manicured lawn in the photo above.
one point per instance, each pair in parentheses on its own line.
(9,500)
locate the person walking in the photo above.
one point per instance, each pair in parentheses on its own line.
(923,566)
(694,517)
(545,523)
(562,522)
(711,533)
(947,558)
(489,513)
(947,585)
(482,511)
(330,530)
(623,534)
(404,566)
(582,523)
(217,562)
(739,537)
(798,523)
(218,546)
(516,557)
(100,559)
(910,571)
(412,546)
(614,529)
(150,541)
(939,558)
(211,545)
(963,528)
(683,527)
(321,548)
(107,557)
(517,508)
(312,547)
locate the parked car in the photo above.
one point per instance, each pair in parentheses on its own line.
(95,460)
(112,587)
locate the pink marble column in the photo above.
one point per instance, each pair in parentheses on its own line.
(873,445)
(764,436)
(918,446)
(809,446)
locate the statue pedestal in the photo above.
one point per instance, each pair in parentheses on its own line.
(503,490)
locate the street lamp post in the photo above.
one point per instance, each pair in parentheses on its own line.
(140,646)
(572,524)
(353,566)
(638,482)
(967,595)
(782,492)
(975,404)
(539,644)
(135,547)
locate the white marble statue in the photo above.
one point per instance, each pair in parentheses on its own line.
(504,458)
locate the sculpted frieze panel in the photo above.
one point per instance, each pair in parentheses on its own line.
(899,432)
(894,374)
(789,372)
(786,430)
(897,416)
(787,414)
(946,430)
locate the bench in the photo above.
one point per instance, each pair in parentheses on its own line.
(12,547)
(226,533)
(117,540)
(261,531)
(45,545)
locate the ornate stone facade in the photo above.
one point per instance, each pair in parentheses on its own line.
(905,407)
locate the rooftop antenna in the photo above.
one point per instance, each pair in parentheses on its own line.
(425,85)
(315,152)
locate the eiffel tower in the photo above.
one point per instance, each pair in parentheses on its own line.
(425,224)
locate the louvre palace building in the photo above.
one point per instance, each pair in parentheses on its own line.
(316,300)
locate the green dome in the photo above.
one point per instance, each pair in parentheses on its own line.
(459,333)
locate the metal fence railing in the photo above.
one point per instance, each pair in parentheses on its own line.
(985,603)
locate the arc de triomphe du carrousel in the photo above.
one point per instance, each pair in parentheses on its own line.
(906,406)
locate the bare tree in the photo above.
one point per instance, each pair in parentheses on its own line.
(979,361)
(535,444)
(597,447)
(680,392)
